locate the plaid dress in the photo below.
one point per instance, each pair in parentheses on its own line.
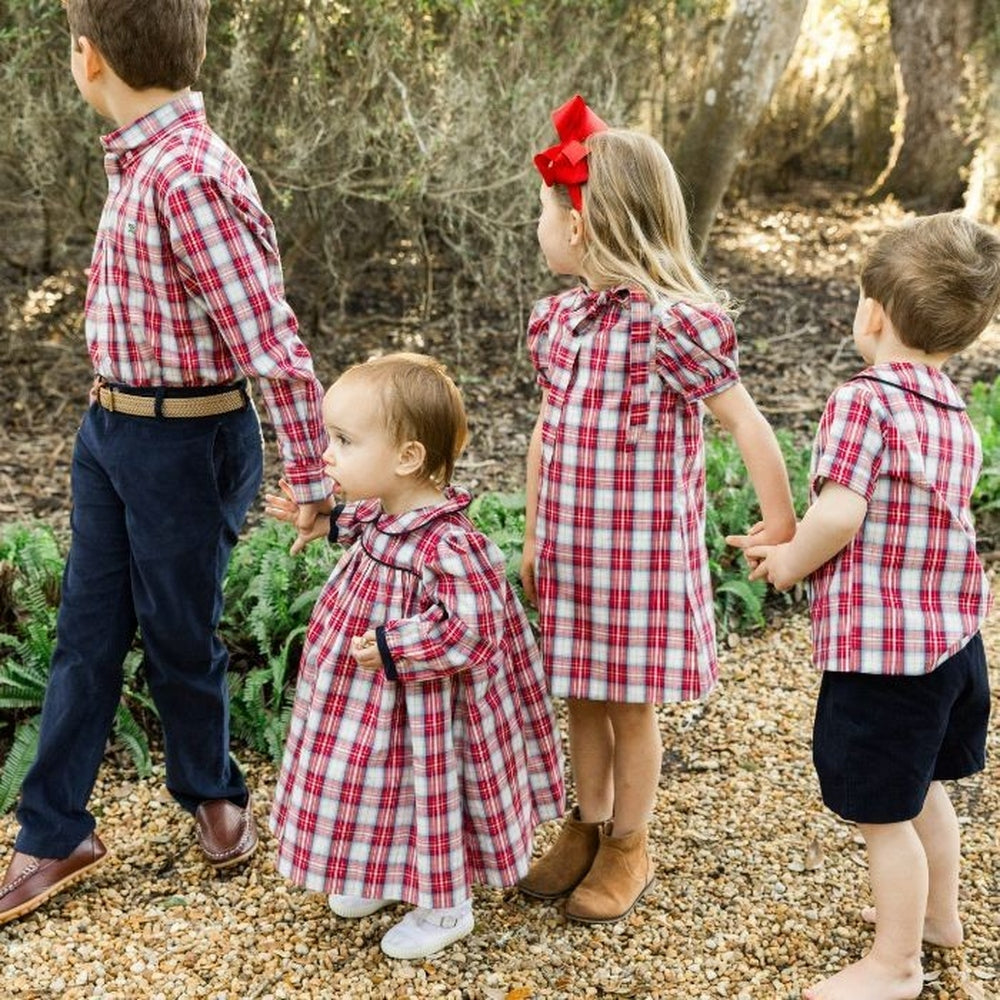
(624,594)
(416,788)
(909,590)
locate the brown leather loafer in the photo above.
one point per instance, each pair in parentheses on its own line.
(227,833)
(30,881)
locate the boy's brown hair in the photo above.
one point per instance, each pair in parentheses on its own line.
(148,43)
(419,402)
(938,279)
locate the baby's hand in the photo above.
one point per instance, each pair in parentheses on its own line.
(364,649)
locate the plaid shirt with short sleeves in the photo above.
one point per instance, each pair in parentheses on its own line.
(624,595)
(185,284)
(909,590)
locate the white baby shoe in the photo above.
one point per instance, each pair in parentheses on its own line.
(425,932)
(354,907)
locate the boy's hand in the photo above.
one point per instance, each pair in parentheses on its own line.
(364,649)
(772,563)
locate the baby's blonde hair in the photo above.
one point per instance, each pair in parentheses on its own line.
(419,402)
(635,221)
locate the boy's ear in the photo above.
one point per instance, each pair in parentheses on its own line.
(874,316)
(93,61)
(412,455)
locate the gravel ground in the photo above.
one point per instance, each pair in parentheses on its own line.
(757,893)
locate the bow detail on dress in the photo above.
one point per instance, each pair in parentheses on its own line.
(566,162)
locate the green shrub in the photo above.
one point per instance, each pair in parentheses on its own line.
(30,573)
(732,509)
(984,410)
(269,596)
(501,517)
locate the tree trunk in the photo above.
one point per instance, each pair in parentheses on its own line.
(931,41)
(982,198)
(752,54)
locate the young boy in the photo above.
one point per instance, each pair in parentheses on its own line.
(185,300)
(897,591)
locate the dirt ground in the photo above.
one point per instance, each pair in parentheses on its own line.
(758,886)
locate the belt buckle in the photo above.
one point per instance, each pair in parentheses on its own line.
(109,394)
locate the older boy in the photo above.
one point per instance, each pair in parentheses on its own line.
(185,300)
(897,591)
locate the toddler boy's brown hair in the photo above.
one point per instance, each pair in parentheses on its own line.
(938,279)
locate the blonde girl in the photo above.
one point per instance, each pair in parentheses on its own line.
(615,551)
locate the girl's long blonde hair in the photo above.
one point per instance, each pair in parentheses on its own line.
(635,221)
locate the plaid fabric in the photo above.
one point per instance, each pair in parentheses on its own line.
(415,789)
(622,570)
(908,591)
(185,283)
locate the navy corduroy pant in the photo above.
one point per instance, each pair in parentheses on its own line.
(157,507)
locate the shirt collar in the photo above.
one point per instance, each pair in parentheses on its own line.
(184,109)
(923,380)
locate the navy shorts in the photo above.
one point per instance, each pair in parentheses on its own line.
(878,742)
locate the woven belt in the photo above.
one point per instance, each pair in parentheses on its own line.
(122,401)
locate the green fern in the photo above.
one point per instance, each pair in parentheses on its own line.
(33,568)
(19,760)
(260,700)
(24,673)
(269,598)
(130,734)
(984,411)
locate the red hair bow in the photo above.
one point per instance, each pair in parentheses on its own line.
(566,161)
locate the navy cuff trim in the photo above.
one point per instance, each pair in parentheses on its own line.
(383,650)
(334,530)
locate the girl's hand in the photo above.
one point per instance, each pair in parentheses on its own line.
(752,537)
(364,649)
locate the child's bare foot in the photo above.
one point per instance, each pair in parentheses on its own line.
(940,933)
(869,979)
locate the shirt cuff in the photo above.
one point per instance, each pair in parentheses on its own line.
(334,534)
(388,665)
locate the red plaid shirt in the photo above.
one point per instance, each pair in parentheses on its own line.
(185,282)
(909,590)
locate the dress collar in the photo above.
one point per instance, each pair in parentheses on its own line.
(453,500)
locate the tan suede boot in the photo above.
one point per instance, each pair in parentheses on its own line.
(620,874)
(566,862)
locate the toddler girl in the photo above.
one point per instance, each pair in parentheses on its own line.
(615,553)
(422,750)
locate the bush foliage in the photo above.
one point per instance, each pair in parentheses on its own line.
(392,139)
